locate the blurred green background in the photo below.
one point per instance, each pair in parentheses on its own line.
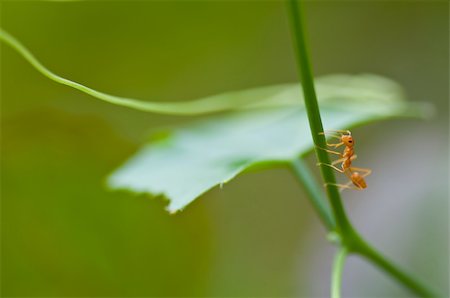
(65,234)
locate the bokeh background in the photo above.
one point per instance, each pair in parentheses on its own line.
(65,234)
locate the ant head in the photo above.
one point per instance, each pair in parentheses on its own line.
(348,140)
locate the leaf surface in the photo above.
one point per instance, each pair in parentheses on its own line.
(194,159)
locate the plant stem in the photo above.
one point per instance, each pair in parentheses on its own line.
(349,238)
(407,280)
(314,118)
(196,107)
(338,268)
(314,193)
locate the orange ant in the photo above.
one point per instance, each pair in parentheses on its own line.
(348,155)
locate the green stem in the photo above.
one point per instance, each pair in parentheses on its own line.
(349,238)
(315,122)
(387,266)
(221,102)
(314,192)
(338,268)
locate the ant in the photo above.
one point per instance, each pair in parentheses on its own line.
(347,156)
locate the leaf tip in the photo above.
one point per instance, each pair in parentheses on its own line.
(421,110)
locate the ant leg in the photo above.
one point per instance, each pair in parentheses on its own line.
(330,134)
(330,151)
(338,161)
(339,131)
(346,171)
(367,172)
(334,132)
(344,186)
(335,145)
(342,159)
(331,166)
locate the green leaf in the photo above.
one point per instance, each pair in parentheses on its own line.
(192,160)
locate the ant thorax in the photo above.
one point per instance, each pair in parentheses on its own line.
(348,152)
